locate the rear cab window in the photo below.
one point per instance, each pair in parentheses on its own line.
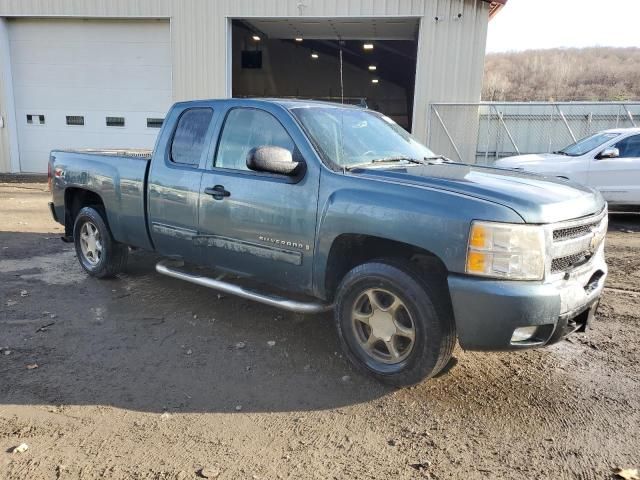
(190,137)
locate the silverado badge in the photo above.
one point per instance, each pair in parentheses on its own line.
(284,243)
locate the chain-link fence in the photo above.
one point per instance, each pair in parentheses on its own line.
(484,132)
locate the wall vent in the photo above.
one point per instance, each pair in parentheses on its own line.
(154,122)
(75,120)
(35,119)
(115,121)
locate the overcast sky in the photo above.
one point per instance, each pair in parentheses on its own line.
(527,24)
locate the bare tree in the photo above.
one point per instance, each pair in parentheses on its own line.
(595,74)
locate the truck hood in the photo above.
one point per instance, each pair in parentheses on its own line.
(531,161)
(535,198)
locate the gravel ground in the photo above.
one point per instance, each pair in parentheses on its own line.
(145,377)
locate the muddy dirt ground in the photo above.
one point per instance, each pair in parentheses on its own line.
(141,378)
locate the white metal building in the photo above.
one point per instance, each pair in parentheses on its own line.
(102,73)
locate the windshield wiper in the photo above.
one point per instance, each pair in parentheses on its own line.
(432,160)
(385,160)
(561,152)
(396,159)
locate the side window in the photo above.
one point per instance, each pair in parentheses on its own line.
(189,139)
(629,147)
(247,128)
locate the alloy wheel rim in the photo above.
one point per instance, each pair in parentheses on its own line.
(383,326)
(91,243)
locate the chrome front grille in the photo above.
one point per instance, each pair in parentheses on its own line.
(569,262)
(568,233)
(575,242)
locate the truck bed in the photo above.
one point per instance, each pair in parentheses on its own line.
(117,176)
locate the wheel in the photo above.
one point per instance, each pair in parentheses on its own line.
(394,323)
(98,253)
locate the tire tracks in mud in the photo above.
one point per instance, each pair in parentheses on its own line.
(533,403)
(627,291)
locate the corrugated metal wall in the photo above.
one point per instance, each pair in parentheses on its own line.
(4,132)
(7,112)
(450,55)
(86,8)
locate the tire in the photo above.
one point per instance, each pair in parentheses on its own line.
(425,310)
(101,257)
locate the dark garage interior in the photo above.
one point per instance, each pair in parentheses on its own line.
(357,62)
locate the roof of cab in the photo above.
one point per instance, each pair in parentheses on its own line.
(288,103)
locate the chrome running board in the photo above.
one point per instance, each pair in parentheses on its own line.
(168,267)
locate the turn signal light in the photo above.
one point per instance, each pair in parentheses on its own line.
(508,251)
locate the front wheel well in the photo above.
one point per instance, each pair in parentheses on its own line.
(75,199)
(350,250)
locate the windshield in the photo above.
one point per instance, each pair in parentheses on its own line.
(349,137)
(587,144)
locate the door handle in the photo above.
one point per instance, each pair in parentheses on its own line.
(218,192)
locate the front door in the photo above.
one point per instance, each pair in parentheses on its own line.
(618,178)
(258,224)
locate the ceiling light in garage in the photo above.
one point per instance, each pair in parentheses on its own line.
(372,68)
(368,46)
(256,38)
(298,39)
(314,55)
(375,80)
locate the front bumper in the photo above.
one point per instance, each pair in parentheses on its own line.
(487,312)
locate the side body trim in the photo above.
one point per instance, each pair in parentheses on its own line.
(240,246)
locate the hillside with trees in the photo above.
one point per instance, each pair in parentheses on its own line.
(589,74)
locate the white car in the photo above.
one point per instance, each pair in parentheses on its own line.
(608,161)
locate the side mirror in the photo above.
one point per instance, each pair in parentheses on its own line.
(610,152)
(273,160)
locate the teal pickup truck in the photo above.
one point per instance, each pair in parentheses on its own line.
(316,206)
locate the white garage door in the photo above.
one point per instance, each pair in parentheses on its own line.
(88,84)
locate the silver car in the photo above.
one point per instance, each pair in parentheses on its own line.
(608,161)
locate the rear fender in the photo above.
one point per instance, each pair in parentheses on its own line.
(117,181)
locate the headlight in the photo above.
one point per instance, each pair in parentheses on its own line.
(510,251)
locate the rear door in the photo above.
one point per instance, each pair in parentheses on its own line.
(174,181)
(265,226)
(618,179)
